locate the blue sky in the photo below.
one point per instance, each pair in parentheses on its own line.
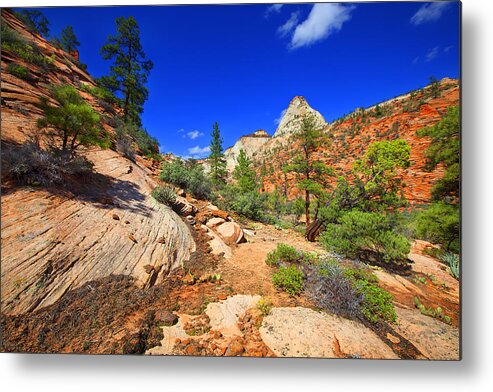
(240,65)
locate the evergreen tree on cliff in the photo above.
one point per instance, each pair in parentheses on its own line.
(311,174)
(68,41)
(216,158)
(130,69)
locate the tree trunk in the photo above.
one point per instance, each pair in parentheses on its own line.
(313,230)
(307,208)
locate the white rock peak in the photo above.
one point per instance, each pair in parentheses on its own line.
(291,121)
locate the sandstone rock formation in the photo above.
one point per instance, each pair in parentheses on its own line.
(52,243)
(250,144)
(302,332)
(293,116)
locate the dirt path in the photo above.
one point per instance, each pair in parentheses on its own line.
(247,272)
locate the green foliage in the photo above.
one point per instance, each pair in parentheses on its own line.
(28,51)
(377,182)
(365,234)
(453,264)
(436,313)
(19,71)
(188,175)
(145,142)
(34,20)
(289,279)
(217,162)
(283,254)
(68,41)
(101,93)
(311,174)
(445,149)
(265,306)
(73,122)
(440,223)
(244,175)
(130,68)
(249,204)
(377,304)
(164,194)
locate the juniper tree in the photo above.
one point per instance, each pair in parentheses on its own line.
(311,174)
(130,68)
(216,158)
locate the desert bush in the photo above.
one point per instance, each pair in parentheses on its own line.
(19,71)
(164,194)
(289,279)
(331,290)
(453,264)
(283,254)
(31,165)
(357,233)
(349,290)
(146,143)
(188,175)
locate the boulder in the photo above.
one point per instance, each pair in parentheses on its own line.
(231,232)
(212,223)
(165,318)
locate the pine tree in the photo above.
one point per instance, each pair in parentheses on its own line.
(130,68)
(244,174)
(72,122)
(216,158)
(311,174)
(68,41)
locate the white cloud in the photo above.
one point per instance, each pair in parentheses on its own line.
(278,120)
(290,24)
(323,20)
(181,130)
(447,49)
(432,54)
(274,8)
(199,152)
(194,134)
(429,13)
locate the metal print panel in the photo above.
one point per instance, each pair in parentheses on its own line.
(267,180)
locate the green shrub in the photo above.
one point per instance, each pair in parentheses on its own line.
(188,175)
(377,304)
(164,194)
(289,279)
(19,71)
(452,262)
(440,223)
(358,233)
(146,143)
(249,204)
(26,50)
(283,253)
